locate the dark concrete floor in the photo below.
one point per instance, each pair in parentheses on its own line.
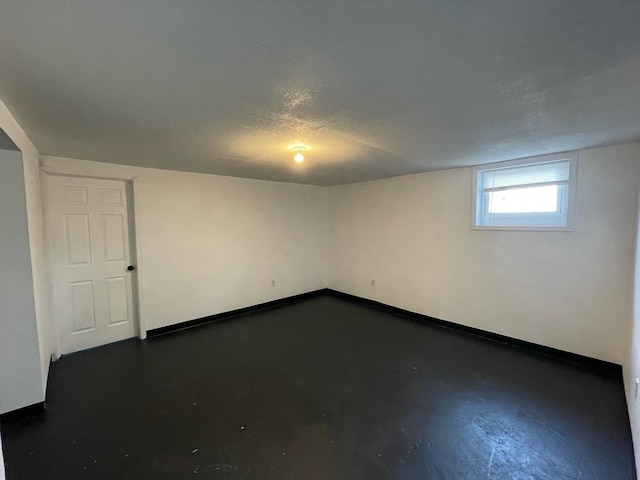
(322,389)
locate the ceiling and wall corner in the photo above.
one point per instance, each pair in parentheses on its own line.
(371,89)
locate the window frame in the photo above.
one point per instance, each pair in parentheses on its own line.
(567,200)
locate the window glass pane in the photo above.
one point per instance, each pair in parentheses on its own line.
(526,175)
(524,200)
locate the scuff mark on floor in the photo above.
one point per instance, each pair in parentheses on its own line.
(493,452)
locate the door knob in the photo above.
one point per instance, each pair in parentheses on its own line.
(131,268)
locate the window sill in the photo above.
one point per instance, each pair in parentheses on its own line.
(516,228)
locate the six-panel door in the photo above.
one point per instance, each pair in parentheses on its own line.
(90,246)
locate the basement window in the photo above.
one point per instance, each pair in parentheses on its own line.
(532,194)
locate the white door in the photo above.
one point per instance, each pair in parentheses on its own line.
(91,261)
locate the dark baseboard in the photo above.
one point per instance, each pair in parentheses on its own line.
(541,349)
(234,313)
(574,358)
(23,413)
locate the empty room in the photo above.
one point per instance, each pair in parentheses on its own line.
(319,240)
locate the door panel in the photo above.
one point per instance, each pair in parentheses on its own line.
(118,300)
(75,194)
(114,241)
(78,239)
(91,250)
(110,196)
(82,300)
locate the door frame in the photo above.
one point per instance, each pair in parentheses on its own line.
(133,219)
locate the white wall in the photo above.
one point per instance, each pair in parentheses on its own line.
(632,366)
(31,165)
(2,477)
(570,291)
(20,368)
(209,244)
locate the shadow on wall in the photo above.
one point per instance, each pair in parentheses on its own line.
(6,143)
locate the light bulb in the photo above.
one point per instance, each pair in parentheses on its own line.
(299,157)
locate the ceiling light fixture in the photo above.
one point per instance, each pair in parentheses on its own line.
(298,157)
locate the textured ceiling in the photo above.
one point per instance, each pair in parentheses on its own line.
(372,88)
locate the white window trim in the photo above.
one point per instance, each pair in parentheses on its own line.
(571,198)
